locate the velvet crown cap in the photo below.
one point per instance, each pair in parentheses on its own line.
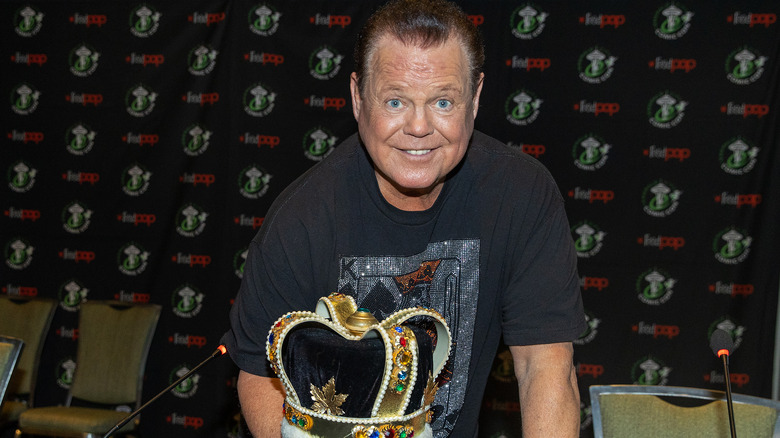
(345,374)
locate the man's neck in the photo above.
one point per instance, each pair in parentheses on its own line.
(409,200)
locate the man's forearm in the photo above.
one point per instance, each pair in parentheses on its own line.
(550,409)
(261,401)
(549,396)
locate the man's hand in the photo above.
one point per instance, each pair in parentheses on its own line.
(549,397)
(261,401)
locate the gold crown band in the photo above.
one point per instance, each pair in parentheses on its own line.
(400,427)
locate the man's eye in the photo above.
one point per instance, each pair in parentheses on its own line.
(443,104)
(394,103)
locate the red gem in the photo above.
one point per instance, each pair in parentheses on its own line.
(403,342)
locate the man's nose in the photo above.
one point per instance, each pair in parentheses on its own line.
(418,122)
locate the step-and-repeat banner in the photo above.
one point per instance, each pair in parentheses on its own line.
(143,142)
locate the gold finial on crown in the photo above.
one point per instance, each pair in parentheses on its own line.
(359,322)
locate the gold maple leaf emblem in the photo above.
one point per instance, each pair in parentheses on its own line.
(430,390)
(326,401)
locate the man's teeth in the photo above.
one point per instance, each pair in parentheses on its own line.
(418,152)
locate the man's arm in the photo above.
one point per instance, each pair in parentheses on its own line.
(261,401)
(549,397)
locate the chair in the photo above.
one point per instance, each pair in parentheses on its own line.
(29,320)
(636,411)
(9,354)
(113,344)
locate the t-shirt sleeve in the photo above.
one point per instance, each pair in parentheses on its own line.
(269,289)
(542,302)
(290,262)
(249,321)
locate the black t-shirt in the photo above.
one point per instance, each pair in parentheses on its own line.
(494,255)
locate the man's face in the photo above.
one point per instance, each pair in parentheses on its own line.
(415,117)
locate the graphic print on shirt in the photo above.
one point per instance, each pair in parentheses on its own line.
(444,277)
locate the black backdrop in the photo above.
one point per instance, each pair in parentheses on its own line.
(143,143)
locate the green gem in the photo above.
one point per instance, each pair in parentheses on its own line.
(402,434)
(399,387)
(301,422)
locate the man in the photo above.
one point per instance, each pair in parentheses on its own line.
(419,209)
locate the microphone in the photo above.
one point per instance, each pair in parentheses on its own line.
(722,344)
(218,352)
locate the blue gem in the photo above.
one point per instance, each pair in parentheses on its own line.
(271,338)
(399,330)
(402,375)
(375,434)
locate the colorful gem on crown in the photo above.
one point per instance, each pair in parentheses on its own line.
(402,357)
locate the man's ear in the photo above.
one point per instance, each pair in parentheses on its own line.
(355,92)
(475,102)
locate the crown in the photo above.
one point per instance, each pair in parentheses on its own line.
(346,374)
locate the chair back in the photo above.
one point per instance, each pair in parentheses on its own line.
(28,319)
(9,354)
(113,344)
(638,411)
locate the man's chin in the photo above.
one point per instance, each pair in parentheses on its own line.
(417,188)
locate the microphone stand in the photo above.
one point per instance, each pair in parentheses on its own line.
(218,352)
(725,355)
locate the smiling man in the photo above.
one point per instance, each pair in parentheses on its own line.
(418,209)
(415,115)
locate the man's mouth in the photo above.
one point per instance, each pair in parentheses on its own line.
(418,152)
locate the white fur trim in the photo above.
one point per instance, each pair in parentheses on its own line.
(290,431)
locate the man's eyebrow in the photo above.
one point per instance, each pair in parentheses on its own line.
(444,88)
(451,87)
(391,87)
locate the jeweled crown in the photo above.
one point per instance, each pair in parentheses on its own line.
(346,374)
